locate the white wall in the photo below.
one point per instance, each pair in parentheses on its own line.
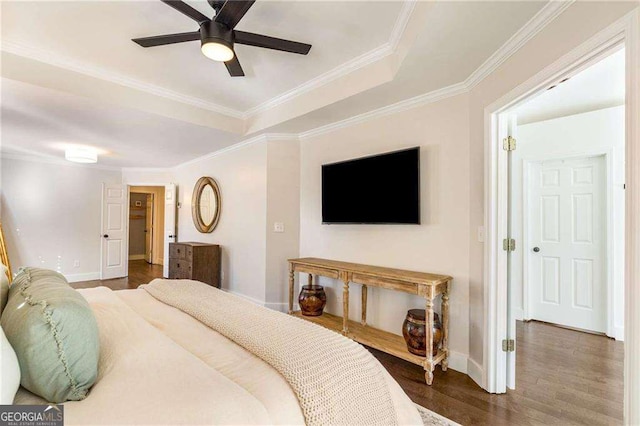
(51,215)
(594,132)
(439,244)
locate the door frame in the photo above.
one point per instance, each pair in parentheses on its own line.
(609,259)
(625,31)
(164,237)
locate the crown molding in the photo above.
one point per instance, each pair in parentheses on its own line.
(417,101)
(537,23)
(401,23)
(36,157)
(18,48)
(348,67)
(21,49)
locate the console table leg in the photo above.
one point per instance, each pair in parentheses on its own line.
(364,305)
(291,284)
(428,363)
(345,307)
(445,326)
(428,377)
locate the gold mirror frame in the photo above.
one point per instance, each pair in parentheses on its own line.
(201,184)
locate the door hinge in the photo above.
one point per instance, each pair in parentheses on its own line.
(508,345)
(509,244)
(509,143)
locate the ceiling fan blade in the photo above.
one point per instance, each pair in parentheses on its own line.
(187,10)
(161,40)
(260,40)
(232,12)
(234,68)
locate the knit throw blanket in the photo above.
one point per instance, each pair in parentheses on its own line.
(336,380)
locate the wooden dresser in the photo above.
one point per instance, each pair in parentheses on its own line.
(195,261)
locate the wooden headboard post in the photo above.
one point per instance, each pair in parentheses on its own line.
(4,256)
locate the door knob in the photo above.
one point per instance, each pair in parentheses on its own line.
(536,249)
(106,235)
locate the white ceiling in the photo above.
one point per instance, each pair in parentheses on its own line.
(44,122)
(457,38)
(600,86)
(452,40)
(100,33)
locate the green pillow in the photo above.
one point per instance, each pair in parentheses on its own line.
(54,333)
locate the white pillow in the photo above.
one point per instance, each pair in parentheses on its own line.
(9,371)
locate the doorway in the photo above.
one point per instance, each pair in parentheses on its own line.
(146,226)
(560,203)
(141,228)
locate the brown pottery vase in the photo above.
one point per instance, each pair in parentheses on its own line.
(413,331)
(312,300)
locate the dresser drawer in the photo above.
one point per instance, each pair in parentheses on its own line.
(180,269)
(178,251)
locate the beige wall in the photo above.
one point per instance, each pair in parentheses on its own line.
(158,220)
(439,244)
(242,177)
(51,215)
(283,205)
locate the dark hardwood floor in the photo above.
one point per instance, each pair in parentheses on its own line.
(563,377)
(140,272)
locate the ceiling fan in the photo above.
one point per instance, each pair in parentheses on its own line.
(217,35)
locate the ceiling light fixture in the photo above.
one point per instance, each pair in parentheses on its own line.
(217,41)
(81,155)
(217,51)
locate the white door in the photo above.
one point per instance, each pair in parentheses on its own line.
(170,199)
(114,231)
(566,257)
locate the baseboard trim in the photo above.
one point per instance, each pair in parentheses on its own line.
(245,297)
(618,333)
(281,307)
(518,313)
(458,361)
(474,370)
(87,276)
(137,257)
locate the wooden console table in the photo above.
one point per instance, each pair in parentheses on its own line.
(419,283)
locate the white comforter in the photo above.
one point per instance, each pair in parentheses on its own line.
(161,366)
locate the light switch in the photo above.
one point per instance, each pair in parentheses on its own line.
(481,234)
(278,227)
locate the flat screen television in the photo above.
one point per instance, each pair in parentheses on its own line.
(380,189)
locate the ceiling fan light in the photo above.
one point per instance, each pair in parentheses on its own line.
(217,51)
(81,155)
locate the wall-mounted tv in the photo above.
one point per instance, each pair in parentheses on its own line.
(380,189)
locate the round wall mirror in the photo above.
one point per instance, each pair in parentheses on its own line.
(206,204)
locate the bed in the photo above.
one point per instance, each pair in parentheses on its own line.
(181,352)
